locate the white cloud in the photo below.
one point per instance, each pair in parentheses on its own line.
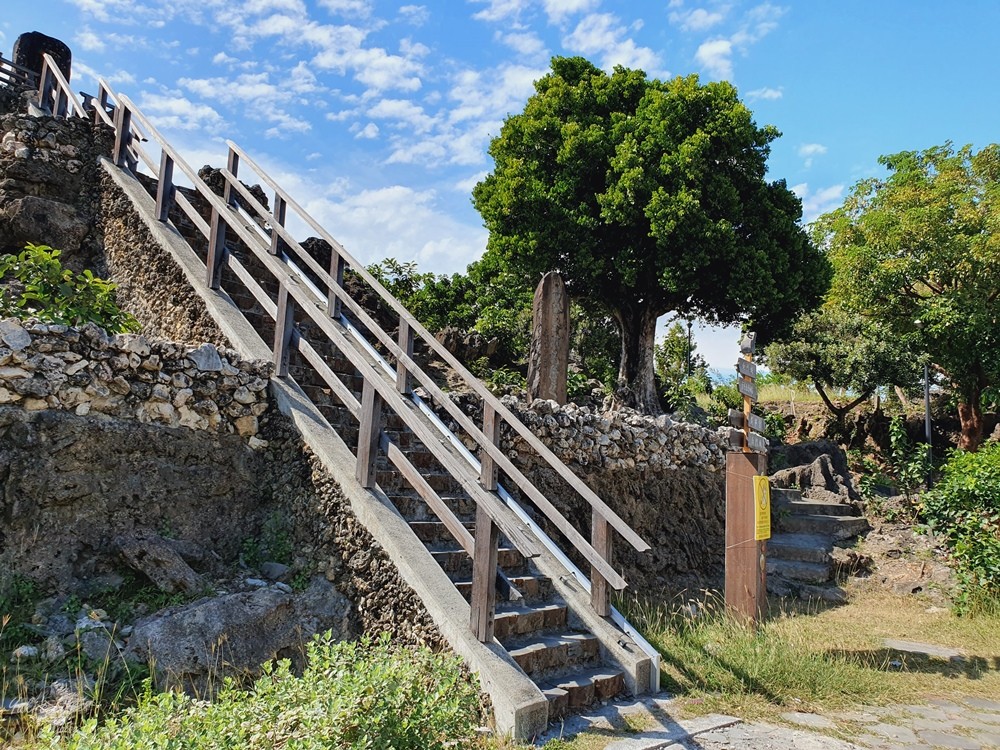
(256,96)
(766,93)
(558,10)
(368,132)
(175,112)
(698,19)
(816,203)
(602,34)
(416,15)
(809,150)
(350,8)
(221,58)
(89,41)
(402,223)
(500,10)
(716,57)
(402,111)
(526,43)
(466,185)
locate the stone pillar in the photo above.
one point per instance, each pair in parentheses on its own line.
(549,357)
(30,46)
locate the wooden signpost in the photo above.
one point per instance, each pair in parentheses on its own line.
(748,503)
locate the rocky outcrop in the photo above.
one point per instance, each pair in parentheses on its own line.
(49,185)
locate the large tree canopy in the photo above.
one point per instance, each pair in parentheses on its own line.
(919,251)
(648,197)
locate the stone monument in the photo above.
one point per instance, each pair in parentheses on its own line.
(549,357)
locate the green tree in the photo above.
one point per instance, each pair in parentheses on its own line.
(834,348)
(919,252)
(648,197)
(676,357)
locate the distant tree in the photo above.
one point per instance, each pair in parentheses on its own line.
(676,356)
(919,252)
(833,348)
(648,197)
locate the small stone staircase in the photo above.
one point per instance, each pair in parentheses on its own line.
(800,552)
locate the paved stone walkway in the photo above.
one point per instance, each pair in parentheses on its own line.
(966,724)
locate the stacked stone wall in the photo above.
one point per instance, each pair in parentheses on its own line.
(131,376)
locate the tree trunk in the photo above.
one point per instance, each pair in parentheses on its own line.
(970,415)
(636,384)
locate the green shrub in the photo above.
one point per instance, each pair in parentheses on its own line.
(54,294)
(358,696)
(965,508)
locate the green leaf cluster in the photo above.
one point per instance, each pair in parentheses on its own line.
(918,252)
(368,695)
(965,508)
(54,294)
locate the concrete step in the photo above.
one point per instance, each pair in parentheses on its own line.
(836,527)
(459,564)
(514,620)
(797,570)
(540,655)
(813,507)
(534,589)
(580,689)
(413,508)
(785,494)
(435,532)
(804,547)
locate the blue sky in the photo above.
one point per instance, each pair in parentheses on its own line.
(377,115)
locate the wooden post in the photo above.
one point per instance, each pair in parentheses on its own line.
(746,561)
(406,344)
(483,601)
(123,134)
(370,420)
(487,465)
(216,251)
(337,265)
(283,327)
(280,210)
(600,540)
(164,187)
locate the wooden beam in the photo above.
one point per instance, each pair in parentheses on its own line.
(488,466)
(601,541)
(216,250)
(483,601)
(164,187)
(406,344)
(369,426)
(335,284)
(278,218)
(283,328)
(123,133)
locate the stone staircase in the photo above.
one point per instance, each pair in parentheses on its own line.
(805,536)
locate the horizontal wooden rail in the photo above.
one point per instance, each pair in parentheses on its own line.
(12,73)
(488,398)
(241,213)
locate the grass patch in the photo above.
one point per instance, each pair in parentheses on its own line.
(811,658)
(367,695)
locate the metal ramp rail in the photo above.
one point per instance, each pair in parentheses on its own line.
(313,294)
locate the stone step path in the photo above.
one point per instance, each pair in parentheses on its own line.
(966,723)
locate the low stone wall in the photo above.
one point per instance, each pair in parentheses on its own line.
(666,479)
(131,376)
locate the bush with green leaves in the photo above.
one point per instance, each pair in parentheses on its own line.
(964,507)
(367,695)
(43,289)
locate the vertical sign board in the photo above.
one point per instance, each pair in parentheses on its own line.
(748,503)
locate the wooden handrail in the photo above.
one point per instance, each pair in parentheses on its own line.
(488,398)
(64,95)
(382,389)
(17,73)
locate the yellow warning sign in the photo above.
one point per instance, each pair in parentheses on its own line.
(762,508)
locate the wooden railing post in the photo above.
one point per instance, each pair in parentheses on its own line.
(217,241)
(483,601)
(406,344)
(123,134)
(45,86)
(283,326)
(600,540)
(164,187)
(280,210)
(337,265)
(487,464)
(102,103)
(370,422)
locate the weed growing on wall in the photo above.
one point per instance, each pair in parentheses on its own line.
(43,289)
